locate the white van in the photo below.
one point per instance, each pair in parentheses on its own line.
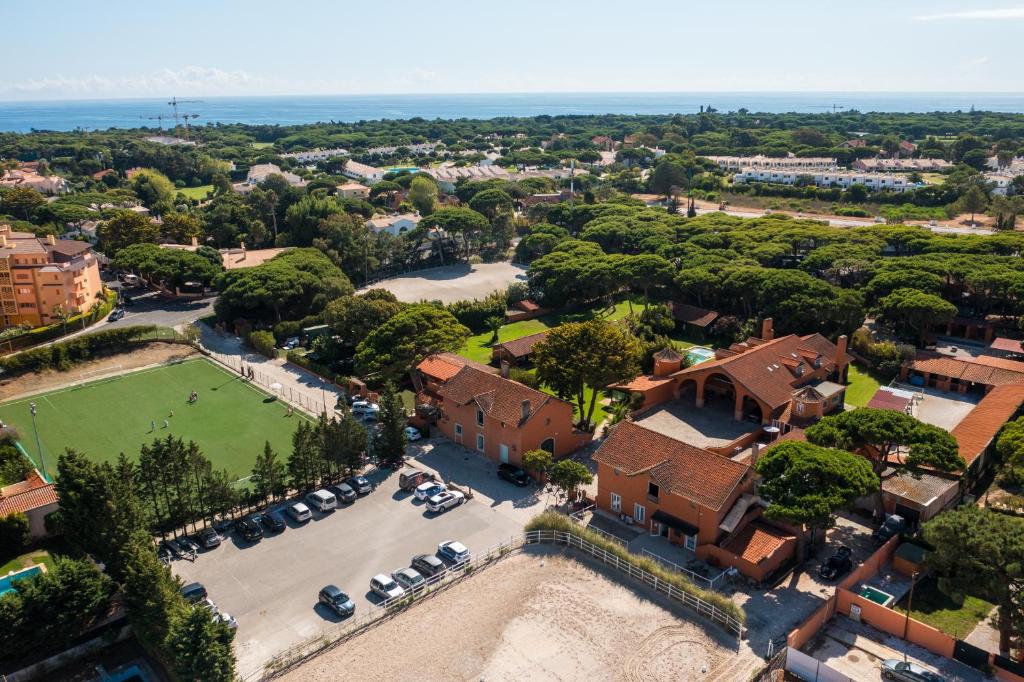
(322,501)
(130,279)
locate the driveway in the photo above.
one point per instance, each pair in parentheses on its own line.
(944,410)
(148,308)
(271,587)
(452,283)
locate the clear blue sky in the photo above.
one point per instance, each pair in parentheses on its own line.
(66,49)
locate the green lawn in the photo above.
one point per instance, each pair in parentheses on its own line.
(197,193)
(230,421)
(862,387)
(38,556)
(935,608)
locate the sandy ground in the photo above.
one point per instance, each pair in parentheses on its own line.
(453,282)
(537,616)
(152,354)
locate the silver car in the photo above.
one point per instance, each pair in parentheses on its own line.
(895,669)
(409,579)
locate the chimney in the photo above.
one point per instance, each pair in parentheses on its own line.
(505,367)
(755,450)
(526,409)
(840,349)
(195,242)
(51,240)
(767,329)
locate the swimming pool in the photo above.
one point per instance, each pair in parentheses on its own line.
(7,582)
(699,354)
(876,595)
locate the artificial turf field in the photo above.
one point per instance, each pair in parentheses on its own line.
(230,421)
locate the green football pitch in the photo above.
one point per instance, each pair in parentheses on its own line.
(101,419)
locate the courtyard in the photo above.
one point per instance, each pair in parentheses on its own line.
(230,421)
(452,283)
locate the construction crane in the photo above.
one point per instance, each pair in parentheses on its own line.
(187,117)
(175,102)
(833,107)
(159,118)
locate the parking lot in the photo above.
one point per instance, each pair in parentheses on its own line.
(271,587)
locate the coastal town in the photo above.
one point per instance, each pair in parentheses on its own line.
(589,372)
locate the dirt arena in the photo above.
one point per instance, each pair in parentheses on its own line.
(538,616)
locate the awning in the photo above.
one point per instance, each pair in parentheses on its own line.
(674,523)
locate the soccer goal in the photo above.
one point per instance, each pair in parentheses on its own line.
(88,375)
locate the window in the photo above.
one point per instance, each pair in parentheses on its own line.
(616,502)
(652,490)
(639,513)
(690,542)
(479,417)
(458,429)
(480,442)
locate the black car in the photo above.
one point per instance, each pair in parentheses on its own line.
(188,544)
(360,484)
(513,474)
(173,548)
(894,525)
(837,564)
(249,529)
(272,521)
(343,491)
(209,538)
(336,600)
(428,565)
(194,592)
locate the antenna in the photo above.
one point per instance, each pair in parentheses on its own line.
(175,102)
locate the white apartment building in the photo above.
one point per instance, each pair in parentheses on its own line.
(363,173)
(739,163)
(314,155)
(901,165)
(876,182)
(394,224)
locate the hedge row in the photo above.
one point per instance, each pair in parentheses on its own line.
(551,520)
(66,354)
(53,331)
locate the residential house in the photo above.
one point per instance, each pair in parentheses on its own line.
(855,143)
(473,406)
(33,497)
(1006,348)
(695,498)
(353,190)
(363,173)
(39,276)
(45,184)
(259,172)
(517,351)
(694,318)
(780,163)
(876,182)
(901,165)
(314,155)
(907,148)
(394,225)
(603,143)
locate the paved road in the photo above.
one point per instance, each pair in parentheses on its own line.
(148,308)
(271,587)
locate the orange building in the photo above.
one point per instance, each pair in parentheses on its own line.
(473,406)
(39,276)
(693,497)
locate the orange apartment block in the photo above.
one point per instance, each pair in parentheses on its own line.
(37,275)
(474,406)
(693,497)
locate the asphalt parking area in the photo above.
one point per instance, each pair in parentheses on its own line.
(271,587)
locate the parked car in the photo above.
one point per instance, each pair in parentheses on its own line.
(291,343)
(333,598)
(442,502)
(454,552)
(409,579)
(217,614)
(249,528)
(837,564)
(428,565)
(895,669)
(362,407)
(894,525)
(272,521)
(173,548)
(210,538)
(116,315)
(300,512)
(410,479)
(424,491)
(514,474)
(322,500)
(343,491)
(360,484)
(412,433)
(189,545)
(193,592)
(385,586)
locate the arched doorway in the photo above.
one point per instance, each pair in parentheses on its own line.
(752,410)
(719,392)
(548,445)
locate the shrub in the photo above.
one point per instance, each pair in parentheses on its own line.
(13,535)
(474,314)
(551,520)
(526,377)
(263,343)
(62,356)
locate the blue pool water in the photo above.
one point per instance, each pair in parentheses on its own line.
(7,582)
(699,354)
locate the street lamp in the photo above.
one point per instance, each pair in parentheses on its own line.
(910,605)
(39,447)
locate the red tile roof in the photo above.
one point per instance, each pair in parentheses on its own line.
(755,543)
(886,400)
(499,398)
(439,367)
(527,305)
(32,493)
(644,382)
(980,370)
(679,468)
(521,347)
(691,314)
(981,424)
(761,366)
(1007,345)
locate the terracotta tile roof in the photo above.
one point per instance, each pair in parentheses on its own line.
(527,305)
(521,347)
(755,543)
(642,383)
(974,433)
(921,489)
(668,354)
(758,365)
(691,314)
(499,398)
(1006,345)
(887,400)
(438,367)
(679,468)
(32,493)
(980,370)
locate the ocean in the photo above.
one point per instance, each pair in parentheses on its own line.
(286,110)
